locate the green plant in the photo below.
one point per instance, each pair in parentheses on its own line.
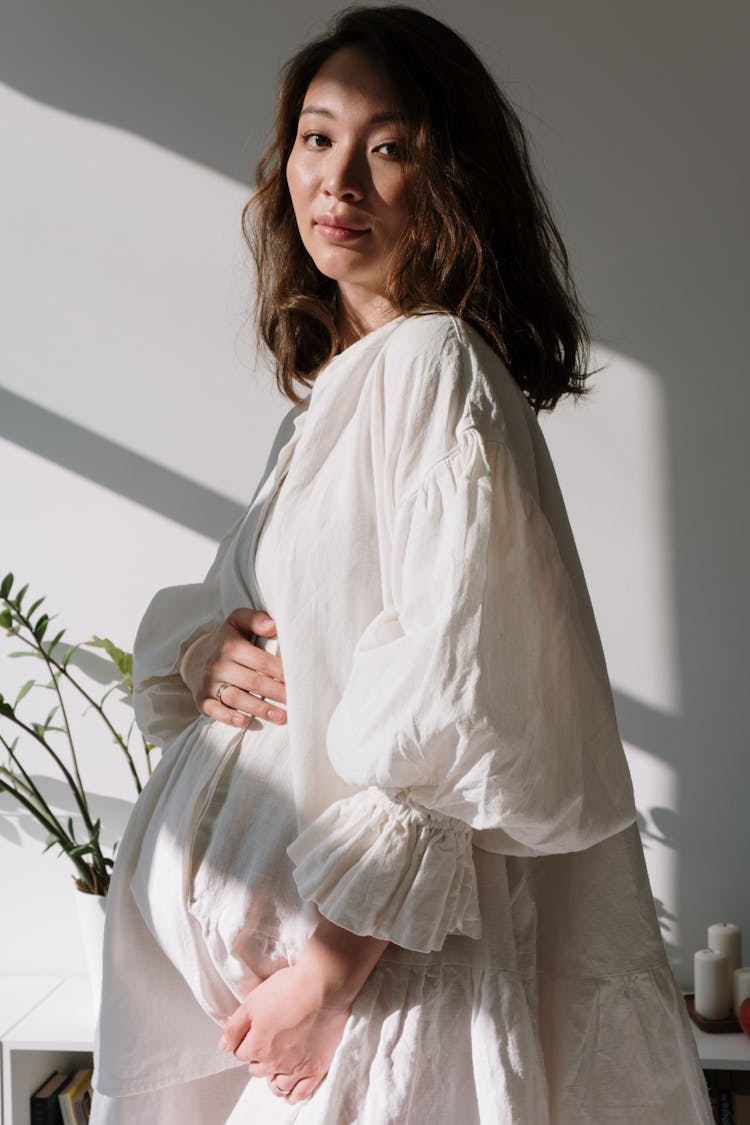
(55,734)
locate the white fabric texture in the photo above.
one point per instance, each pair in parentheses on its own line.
(450,778)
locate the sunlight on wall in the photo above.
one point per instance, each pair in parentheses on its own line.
(656,792)
(611,456)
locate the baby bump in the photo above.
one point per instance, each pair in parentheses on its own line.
(159,831)
(241,891)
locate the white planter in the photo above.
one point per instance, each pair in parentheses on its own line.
(90,910)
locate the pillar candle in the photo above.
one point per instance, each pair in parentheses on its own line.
(711,984)
(726,938)
(741,986)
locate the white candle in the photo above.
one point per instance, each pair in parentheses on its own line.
(726,938)
(711,984)
(741,986)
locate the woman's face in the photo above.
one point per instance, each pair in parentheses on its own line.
(345,175)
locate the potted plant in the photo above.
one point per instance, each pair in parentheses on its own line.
(56,734)
(54,729)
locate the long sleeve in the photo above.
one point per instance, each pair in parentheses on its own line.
(176,616)
(477,712)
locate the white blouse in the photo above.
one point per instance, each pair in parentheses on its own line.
(450,778)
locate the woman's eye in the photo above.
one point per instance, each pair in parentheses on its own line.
(389,148)
(315,140)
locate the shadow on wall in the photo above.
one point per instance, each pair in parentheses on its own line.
(114,467)
(647,177)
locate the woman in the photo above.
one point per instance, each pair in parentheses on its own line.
(391,847)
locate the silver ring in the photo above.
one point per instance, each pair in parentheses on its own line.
(220,689)
(277,1089)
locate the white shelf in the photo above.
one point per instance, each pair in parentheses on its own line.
(48,1025)
(64,1018)
(722,1052)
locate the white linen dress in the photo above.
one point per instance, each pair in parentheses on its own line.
(450,778)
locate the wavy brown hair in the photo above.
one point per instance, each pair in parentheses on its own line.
(480,242)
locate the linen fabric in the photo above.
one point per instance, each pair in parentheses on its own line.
(450,779)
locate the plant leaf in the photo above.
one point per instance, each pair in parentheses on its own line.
(24,691)
(35,607)
(6,619)
(122,660)
(6,585)
(40,628)
(20,596)
(52,839)
(66,659)
(55,642)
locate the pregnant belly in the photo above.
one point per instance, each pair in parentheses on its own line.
(241,891)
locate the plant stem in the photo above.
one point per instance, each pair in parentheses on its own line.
(69,735)
(105,719)
(33,788)
(83,868)
(80,797)
(50,660)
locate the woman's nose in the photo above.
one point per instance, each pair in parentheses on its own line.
(344,176)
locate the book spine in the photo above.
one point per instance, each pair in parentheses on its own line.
(712,1086)
(67,1110)
(726,1116)
(44,1111)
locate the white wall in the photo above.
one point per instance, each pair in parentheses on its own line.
(134,421)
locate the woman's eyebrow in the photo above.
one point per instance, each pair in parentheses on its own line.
(376,119)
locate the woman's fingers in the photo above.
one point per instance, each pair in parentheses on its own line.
(304,1089)
(247,707)
(247,679)
(235,1030)
(248,621)
(291,1088)
(245,703)
(251,662)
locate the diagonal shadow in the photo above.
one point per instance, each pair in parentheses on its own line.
(114,467)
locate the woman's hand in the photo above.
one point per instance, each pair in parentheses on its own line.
(287,1030)
(227,656)
(289,1027)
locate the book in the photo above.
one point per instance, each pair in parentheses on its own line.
(75,1098)
(741,1096)
(44,1105)
(712,1086)
(726,1114)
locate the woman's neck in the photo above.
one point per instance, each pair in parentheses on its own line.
(355,320)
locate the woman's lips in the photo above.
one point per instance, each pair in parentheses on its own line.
(340,234)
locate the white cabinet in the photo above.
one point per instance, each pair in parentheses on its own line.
(47,1024)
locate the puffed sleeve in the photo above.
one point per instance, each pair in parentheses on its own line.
(477,712)
(174,618)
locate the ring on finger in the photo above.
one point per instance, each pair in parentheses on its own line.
(277,1089)
(221,688)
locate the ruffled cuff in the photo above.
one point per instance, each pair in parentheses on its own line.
(384,866)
